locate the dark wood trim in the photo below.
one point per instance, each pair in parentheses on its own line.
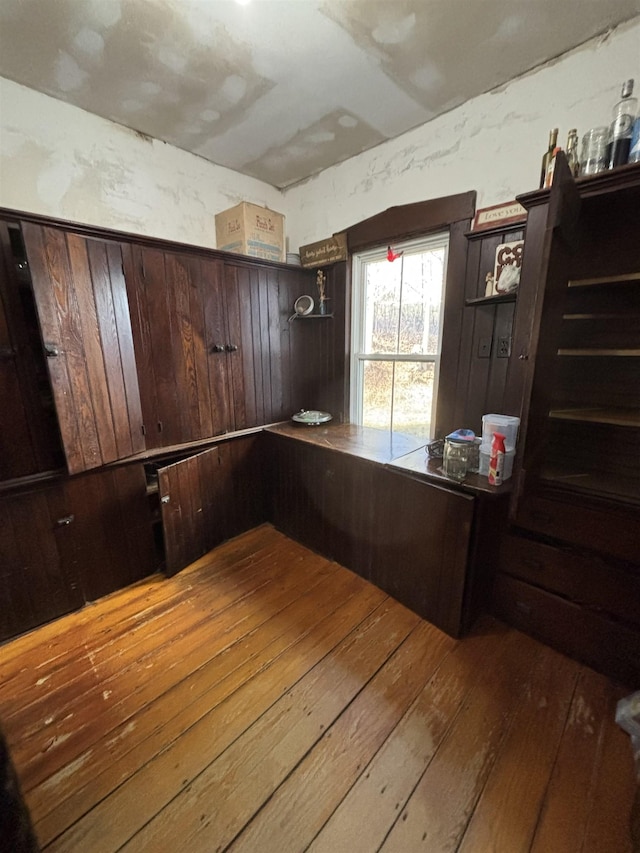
(590,185)
(411,220)
(102,233)
(449,379)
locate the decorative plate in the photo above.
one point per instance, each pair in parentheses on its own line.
(311,418)
(303,305)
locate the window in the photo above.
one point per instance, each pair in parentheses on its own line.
(396,335)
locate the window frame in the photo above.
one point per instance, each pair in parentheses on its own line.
(358,357)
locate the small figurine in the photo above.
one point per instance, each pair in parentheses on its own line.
(321,279)
(488,288)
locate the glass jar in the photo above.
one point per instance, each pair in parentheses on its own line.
(456,459)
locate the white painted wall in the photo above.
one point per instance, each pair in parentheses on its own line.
(493,144)
(60,161)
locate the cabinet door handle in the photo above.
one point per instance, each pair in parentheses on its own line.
(217,348)
(159,426)
(231,348)
(524,356)
(63,522)
(51,350)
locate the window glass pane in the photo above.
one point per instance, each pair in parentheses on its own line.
(422,278)
(402,303)
(382,306)
(377,389)
(398,396)
(412,398)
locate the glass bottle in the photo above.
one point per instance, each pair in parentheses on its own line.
(548,154)
(624,114)
(572,152)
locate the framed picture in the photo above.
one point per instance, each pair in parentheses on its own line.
(506,270)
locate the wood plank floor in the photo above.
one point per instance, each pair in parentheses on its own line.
(266,699)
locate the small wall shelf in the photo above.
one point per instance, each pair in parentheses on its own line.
(492,300)
(310,317)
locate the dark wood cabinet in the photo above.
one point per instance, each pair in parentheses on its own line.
(213,343)
(180,334)
(581,424)
(72,541)
(80,294)
(411,538)
(29,434)
(576,501)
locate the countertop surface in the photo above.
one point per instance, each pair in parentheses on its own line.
(403,453)
(376,445)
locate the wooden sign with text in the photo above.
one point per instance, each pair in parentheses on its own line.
(324,252)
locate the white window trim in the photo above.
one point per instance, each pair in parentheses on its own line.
(358,356)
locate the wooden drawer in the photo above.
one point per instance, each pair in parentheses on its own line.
(586,579)
(612,531)
(579,632)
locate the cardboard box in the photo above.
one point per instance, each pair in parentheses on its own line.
(248,229)
(324,252)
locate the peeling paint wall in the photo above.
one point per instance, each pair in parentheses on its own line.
(57,160)
(493,144)
(60,161)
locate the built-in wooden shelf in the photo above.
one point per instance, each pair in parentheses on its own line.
(595,483)
(592,352)
(616,416)
(310,317)
(491,300)
(625,278)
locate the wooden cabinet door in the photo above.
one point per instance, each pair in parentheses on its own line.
(209,497)
(36,585)
(29,434)
(180,336)
(72,542)
(548,253)
(188,507)
(80,296)
(255,360)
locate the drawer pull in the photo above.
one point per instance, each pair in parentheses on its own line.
(63,522)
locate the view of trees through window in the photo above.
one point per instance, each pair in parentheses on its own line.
(397,336)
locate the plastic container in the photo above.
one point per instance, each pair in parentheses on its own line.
(504,424)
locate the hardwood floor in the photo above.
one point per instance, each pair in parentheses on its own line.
(266,699)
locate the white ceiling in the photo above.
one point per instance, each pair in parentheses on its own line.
(282,89)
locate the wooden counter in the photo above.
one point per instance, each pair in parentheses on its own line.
(376,445)
(371,501)
(403,453)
